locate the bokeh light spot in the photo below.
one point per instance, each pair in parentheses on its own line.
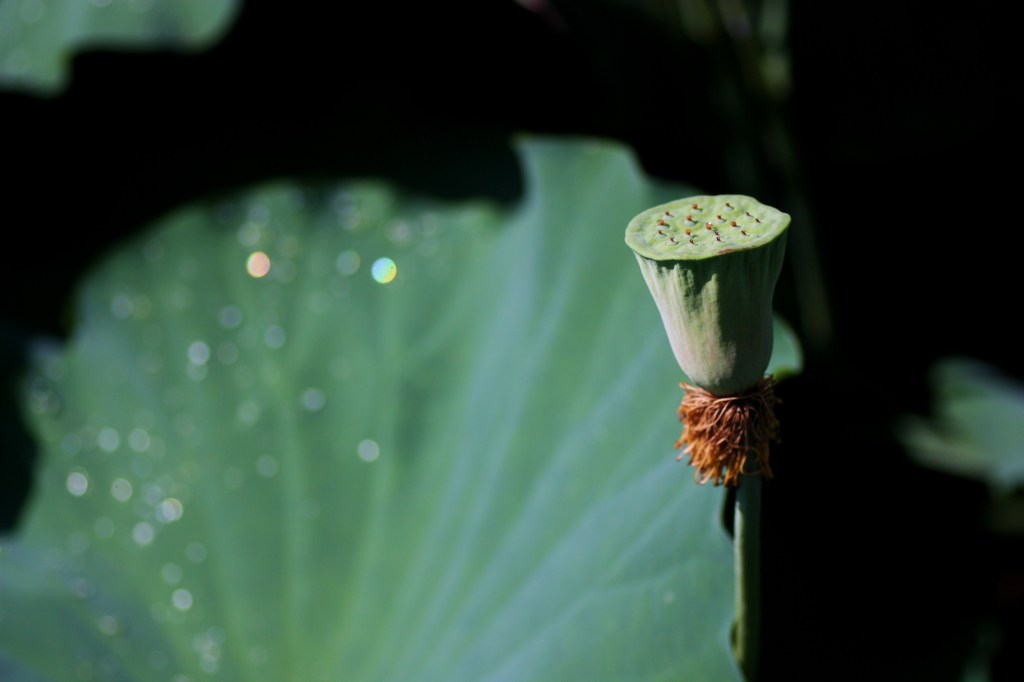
(258,264)
(121,489)
(266,466)
(227,353)
(313,399)
(249,233)
(198,353)
(348,262)
(169,510)
(368,450)
(230,317)
(182,599)
(248,412)
(171,573)
(143,533)
(108,439)
(384,270)
(274,336)
(121,306)
(139,440)
(77,483)
(108,625)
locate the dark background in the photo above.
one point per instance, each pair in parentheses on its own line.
(896,151)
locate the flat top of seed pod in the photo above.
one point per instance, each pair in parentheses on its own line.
(701,227)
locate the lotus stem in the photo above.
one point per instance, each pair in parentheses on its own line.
(747,548)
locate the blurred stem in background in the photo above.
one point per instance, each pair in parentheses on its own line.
(747,41)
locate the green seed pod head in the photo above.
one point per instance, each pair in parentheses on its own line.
(711,264)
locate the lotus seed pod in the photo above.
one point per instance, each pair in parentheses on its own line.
(711,264)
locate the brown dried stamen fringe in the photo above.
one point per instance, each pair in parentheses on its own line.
(724,433)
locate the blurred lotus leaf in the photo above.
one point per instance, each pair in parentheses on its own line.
(978,426)
(345,433)
(39,37)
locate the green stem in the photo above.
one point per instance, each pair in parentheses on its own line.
(747,537)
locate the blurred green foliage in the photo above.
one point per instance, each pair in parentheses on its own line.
(975,432)
(38,38)
(977,429)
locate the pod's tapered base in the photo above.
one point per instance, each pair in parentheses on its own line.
(728,436)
